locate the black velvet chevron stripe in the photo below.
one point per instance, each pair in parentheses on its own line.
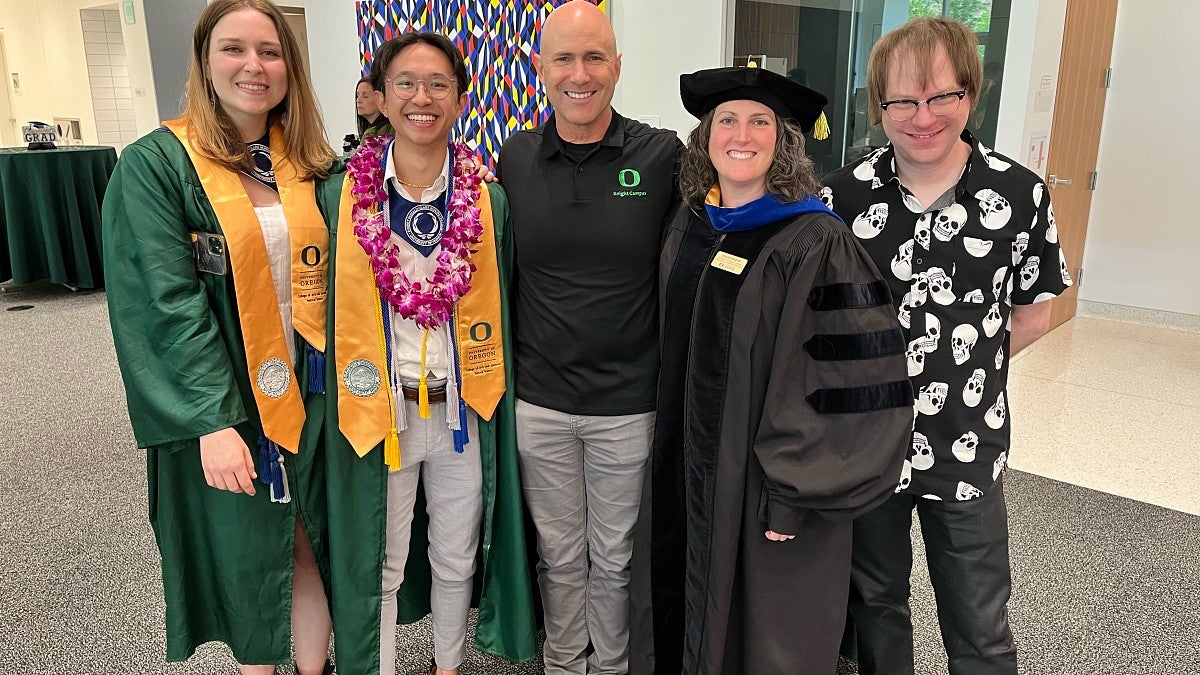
(668,501)
(866,398)
(854,346)
(849,296)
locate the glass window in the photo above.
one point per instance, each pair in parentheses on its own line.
(824,44)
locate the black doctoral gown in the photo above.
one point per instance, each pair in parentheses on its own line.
(784,404)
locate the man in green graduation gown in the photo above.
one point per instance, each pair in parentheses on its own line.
(429,356)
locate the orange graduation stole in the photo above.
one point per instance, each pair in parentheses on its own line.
(365,406)
(276,393)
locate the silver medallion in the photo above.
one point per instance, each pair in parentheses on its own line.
(274,376)
(361,378)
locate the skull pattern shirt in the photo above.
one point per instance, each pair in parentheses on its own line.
(955,270)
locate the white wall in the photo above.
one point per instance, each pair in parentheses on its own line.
(170,26)
(333,62)
(44,44)
(659,40)
(1033,53)
(141,77)
(1143,246)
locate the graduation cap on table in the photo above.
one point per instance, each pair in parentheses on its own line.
(704,90)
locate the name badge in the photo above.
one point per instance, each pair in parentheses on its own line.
(729,262)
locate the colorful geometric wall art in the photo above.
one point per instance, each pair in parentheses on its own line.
(496,36)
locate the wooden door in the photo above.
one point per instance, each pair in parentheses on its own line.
(299,25)
(1075,136)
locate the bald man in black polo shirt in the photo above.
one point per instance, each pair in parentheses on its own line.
(590,191)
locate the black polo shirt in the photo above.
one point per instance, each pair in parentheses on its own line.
(955,270)
(587,238)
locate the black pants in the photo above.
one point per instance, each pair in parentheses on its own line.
(966,546)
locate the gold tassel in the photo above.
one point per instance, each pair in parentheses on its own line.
(423,388)
(391,450)
(821,128)
(423,399)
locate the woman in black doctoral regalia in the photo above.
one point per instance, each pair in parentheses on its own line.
(784,406)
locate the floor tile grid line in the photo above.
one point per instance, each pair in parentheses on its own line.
(1075,385)
(1170,345)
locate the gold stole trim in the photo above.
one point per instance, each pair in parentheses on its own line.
(365,408)
(478,323)
(272,376)
(713,197)
(366,412)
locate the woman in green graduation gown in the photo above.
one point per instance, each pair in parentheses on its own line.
(216,267)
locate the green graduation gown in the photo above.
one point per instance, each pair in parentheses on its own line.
(357,509)
(226,558)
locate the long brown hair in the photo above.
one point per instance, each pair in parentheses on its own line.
(214,133)
(791,176)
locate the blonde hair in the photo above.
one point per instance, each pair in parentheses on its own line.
(920,39)
(212,129)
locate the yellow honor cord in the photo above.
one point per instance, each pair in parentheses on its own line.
(423,387)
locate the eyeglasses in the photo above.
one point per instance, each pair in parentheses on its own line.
(904,109)
(436,87)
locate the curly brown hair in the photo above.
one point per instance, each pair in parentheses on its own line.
(792,176)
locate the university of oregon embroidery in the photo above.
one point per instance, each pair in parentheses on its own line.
(629,178)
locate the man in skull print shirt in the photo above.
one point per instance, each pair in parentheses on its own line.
(967,241)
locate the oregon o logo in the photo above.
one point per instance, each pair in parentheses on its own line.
(311,255)
(481,327)
(629,178)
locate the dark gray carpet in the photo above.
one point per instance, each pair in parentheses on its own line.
(1102,584)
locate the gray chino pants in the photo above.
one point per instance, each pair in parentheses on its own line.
(582,480)
(454,496)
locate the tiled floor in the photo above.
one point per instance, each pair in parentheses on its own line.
(1111,406)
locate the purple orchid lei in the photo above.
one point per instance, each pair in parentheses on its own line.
(429,303)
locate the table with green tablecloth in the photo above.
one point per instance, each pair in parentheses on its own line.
(50,214)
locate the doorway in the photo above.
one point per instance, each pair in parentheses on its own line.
(1075,134)
(296,21)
